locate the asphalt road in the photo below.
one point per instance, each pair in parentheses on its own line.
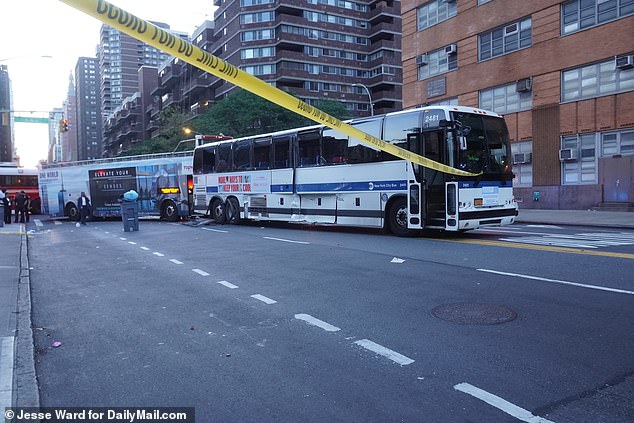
(283,324)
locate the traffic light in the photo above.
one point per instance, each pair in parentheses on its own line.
(63,125)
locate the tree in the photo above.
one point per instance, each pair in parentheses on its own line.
(243,114)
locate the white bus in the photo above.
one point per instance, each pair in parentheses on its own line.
(163,181)
(319,175)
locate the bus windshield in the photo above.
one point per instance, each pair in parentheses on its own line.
(488,149)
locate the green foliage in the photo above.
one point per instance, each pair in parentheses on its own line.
(239,114)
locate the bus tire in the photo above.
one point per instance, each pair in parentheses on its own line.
(169,211)
(71,211)
(397,217)
(217,208)
(232,210)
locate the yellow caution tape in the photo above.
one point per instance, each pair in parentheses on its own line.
(188,52)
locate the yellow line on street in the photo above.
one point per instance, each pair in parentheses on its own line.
(544,248)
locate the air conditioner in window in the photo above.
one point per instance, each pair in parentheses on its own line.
(524,85)
(624,62)
(421,59)
(568,154)
(522,158)
(451,49)
(511,29)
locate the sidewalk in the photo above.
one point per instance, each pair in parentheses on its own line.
(18,385)
(617,220)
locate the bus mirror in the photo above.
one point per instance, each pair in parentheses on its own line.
(463,142)
(444,123)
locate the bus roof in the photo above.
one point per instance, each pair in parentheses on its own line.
(447,108)
(117,159)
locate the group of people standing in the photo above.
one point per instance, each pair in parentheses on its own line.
(21,203)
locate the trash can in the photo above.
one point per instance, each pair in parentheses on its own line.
(130,215)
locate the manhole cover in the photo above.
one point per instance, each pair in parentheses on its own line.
(474,314)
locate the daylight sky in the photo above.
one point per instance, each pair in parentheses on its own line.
(30,29)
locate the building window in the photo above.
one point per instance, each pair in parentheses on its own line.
(437,62)
(617,143)
(435,12)
(248,18)
(580,14)
(505,99)
(522,163)
(254,53)
(595,80)
(583,169)
(505,39)
(483,2)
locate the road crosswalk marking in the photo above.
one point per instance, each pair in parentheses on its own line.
(581,240)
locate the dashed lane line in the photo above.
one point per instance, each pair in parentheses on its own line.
(264,299)
(385,352)
(286,240)
(145,248)
(214,230)
(176,261)
(537,278)
(500,403)
(228,284)
(131,242)
(200,272)
(313,321)
(156,253)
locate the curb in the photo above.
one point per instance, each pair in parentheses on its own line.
(25,387)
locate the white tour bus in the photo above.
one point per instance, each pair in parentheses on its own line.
(163,181)
(319,175)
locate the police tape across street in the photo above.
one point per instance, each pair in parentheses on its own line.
(189,53)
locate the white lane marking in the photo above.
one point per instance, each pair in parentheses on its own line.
(264,299)
(38,223)
(6,371)
(131,242)
(200,272)
(544,226)
(145,248)
(158,254)
(228,284)
(57,222)
(107,232)
(285,240)
(385,352)
(397,260)
(316,322)
(122,239)
(500,403)
(537,278)
(214,230)
(176,261)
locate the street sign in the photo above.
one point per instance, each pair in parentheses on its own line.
(31,120)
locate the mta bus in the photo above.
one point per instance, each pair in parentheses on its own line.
(16,178)
(163,181)
(319,175)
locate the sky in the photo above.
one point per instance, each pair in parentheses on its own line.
(31,29)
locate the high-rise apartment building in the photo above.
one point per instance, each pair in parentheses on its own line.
(68,138)
(6,121)
(120,57)
(318,49)
(87,87)
(561,73)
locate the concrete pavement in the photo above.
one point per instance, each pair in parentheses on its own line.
(18,382)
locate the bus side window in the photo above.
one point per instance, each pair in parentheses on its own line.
(310,148)
(223,157)
(261,154)
(242,155)
(335,147)
(281,153)
(396,129)
(359,152)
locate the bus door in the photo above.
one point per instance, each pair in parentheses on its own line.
(433,180)
(416,196)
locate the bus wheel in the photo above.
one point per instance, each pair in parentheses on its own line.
(217,211)
(169,211)
(232,211)
(397,217)
(72,211)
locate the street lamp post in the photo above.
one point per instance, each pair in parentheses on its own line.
(369,96)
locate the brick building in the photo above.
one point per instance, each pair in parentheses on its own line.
(561,73)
